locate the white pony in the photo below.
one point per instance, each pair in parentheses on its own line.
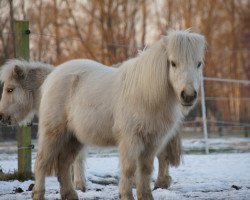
(137,107)
(20,101)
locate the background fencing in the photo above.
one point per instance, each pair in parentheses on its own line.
(224,116)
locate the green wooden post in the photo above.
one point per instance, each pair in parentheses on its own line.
(21,29)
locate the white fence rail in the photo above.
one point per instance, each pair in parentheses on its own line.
(203,106)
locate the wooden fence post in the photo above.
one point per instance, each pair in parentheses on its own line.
(21,29)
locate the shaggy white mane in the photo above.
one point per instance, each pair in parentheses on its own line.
(145,75)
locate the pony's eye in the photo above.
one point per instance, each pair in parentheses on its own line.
(9,90)
(173,64)
(199,64)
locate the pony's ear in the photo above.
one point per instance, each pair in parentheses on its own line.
(35,78)
(18,72)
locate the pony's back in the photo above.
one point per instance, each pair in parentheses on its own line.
(74,91)
(77,67)
(82,65)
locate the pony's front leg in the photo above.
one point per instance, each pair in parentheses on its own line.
(170,155)
(144,171)
(163,179)
(79,171)
(128,167)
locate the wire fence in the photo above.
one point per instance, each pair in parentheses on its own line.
(118,45)
(226,116)
(69,38)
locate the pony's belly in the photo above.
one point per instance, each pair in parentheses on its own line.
(92,124)
(94,132)
(99,138)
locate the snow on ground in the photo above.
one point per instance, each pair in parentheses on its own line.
(229,144)
(199,177)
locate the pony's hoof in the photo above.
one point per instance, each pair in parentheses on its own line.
(79,185)
(38,195)
(146,196)
(163,183)
(69,195)
(126,197)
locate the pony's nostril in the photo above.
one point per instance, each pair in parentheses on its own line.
(183,95)
(9,120)
(1,116)
(188,98)
(195,94)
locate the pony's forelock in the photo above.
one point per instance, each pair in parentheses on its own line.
(185,46)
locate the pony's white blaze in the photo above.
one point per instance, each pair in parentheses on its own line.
(138,107)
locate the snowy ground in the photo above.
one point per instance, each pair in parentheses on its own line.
(199,177)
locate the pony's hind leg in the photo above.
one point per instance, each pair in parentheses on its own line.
(128,167)
(169,156)
(65,159)
(79,171)
(38,190)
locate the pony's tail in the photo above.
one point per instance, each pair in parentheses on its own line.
(69,149)
(49,147)
(47,164)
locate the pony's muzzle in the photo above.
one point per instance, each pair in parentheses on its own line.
(188,98)
(5,119)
